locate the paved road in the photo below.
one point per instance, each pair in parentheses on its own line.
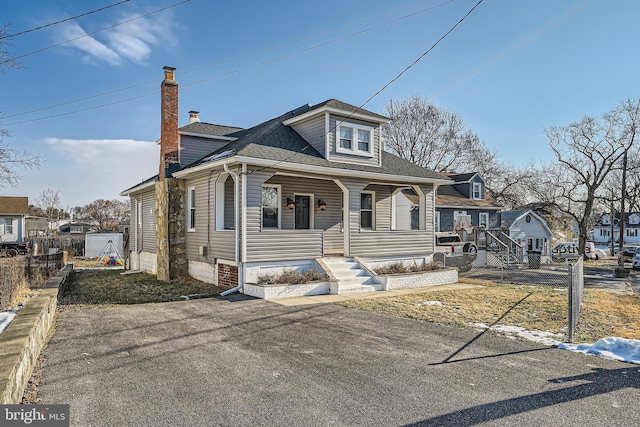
(253,362)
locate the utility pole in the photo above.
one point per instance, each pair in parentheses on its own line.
(622,208)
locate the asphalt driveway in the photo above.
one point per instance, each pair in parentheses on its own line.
(253,362)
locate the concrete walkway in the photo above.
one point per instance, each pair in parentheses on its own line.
(325,299)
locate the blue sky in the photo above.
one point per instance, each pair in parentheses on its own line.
(511,69)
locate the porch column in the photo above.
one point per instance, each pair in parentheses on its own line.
(351,210)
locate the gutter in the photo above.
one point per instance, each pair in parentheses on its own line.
(324,170)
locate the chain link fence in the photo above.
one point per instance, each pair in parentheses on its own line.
(501,259)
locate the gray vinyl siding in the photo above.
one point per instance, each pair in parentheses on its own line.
(383,241)
(382,211)
(349,158)
(329,220)
(220,244)
(193,148)
(149,221)
(313,131)
(197,238)
(284,245)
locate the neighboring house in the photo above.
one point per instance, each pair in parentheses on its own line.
(78,229)
(603,229)
(36,226)
(528,229)
(230,204)
(13,211)
(563,225)
(465,204)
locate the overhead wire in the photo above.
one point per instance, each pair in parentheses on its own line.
(209,78)
(245,56)
(386,85)
(63,20)
(98,31)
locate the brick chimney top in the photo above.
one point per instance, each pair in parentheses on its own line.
(193,116)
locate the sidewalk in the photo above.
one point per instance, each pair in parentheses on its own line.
(326,299)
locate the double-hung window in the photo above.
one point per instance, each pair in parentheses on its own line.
(346,138)
(270,206)
(355,139)
(191,202)
(366,210)
(483,219)
(477,191)
(8,226)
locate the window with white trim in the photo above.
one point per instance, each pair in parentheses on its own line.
(367,205)
(477,191)
(355,139)
(483,219)
(8,226)
(270,206)
(191,202)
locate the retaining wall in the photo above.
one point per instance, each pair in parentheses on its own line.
(22,341)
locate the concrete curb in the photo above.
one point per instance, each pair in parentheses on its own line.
(22,341)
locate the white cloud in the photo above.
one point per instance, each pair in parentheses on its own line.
(88,44)
(100,169)
(133,41)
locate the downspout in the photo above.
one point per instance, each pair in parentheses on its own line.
(239,236)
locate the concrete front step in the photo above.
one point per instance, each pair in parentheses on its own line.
(352,278)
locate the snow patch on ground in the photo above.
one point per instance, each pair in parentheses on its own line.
(621,349)
(5,318)
(542,337)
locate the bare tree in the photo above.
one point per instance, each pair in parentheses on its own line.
(104,214)
(50,204)
(11,160)
(587,151)
(6,58)
(431,137)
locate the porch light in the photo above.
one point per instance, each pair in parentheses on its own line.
(322,205)
(290,203)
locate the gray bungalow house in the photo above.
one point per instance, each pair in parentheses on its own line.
(465,203)
(310,188)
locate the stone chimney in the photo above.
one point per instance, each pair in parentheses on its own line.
(193,116)
(169,121)
(170,193)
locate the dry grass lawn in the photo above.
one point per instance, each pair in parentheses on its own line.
(534,308)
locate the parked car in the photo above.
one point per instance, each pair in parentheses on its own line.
(636,260)
(452,251)
(629,252)
(568,250)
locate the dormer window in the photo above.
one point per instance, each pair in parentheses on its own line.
(363,135)
(477,191)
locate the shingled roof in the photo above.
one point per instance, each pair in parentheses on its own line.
(14,205)
(274,141)
(449,196)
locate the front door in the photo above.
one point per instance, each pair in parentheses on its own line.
(302,212)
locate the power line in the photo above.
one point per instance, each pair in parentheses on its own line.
(223,74)
(390,82)
(237,58)
(98,31)
(64,20)
(508,51)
